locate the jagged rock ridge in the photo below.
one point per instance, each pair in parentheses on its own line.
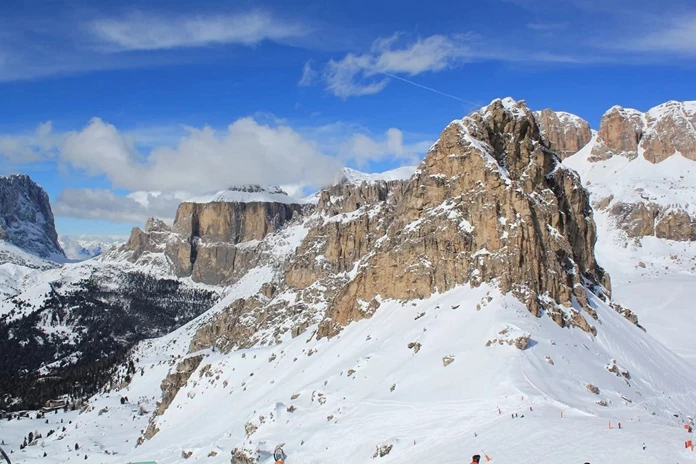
(564,133)
(657,134)
(26,219)
(640,168)
(490,202)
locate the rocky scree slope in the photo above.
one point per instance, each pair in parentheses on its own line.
(26,219)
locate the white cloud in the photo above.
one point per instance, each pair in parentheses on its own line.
(160,172)
(27,148)
(675,35)
(151,32)
(364,74)
(105,205)
(204,160)
(363,149)
(309,75)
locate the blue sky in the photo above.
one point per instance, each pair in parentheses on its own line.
(120,109)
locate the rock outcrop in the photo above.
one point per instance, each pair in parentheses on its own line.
(170,387)
(650,219)
(658,134)
(490,202)
(26,219)
(564,133)
(212,242)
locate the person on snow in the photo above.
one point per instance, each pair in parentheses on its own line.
(475,459)
(279,455)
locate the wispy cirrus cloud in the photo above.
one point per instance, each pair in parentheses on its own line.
(672,35)
(309,74)
(76,44)
(148,32)
(366,74)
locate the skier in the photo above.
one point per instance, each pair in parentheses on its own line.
(475,459)
(279,455)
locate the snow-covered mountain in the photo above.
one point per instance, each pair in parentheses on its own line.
(81,247)
(26,220)
(247,194)
(425,315)
(642,178)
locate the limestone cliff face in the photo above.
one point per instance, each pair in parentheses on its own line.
(489,202)
(564,133)
(207,235)
(213,242)
(659,133)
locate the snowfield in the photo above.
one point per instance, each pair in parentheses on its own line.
(653,277)
(343,398)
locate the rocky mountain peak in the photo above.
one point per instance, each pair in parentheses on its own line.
(489,203)
(565,133)
(661,132)
(26,219)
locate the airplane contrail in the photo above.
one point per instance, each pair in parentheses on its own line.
(431,89)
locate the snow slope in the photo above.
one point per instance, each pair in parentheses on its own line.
(342,398)
(653,277)
(352,176)
(18,269)
(671,182)
(247,194)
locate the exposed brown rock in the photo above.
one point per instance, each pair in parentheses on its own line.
(649,219)
(564,133)
(592,389)
(620,132)
(214,243)
(240,456)
(489,201)
(659,133)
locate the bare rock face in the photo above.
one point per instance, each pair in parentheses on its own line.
(564,133)
(213,242)
(489,202)
(26,219)
(348,196)
(650,219)
(660,133)
(620,132)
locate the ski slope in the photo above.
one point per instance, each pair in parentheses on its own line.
(340,399)
(653,277)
